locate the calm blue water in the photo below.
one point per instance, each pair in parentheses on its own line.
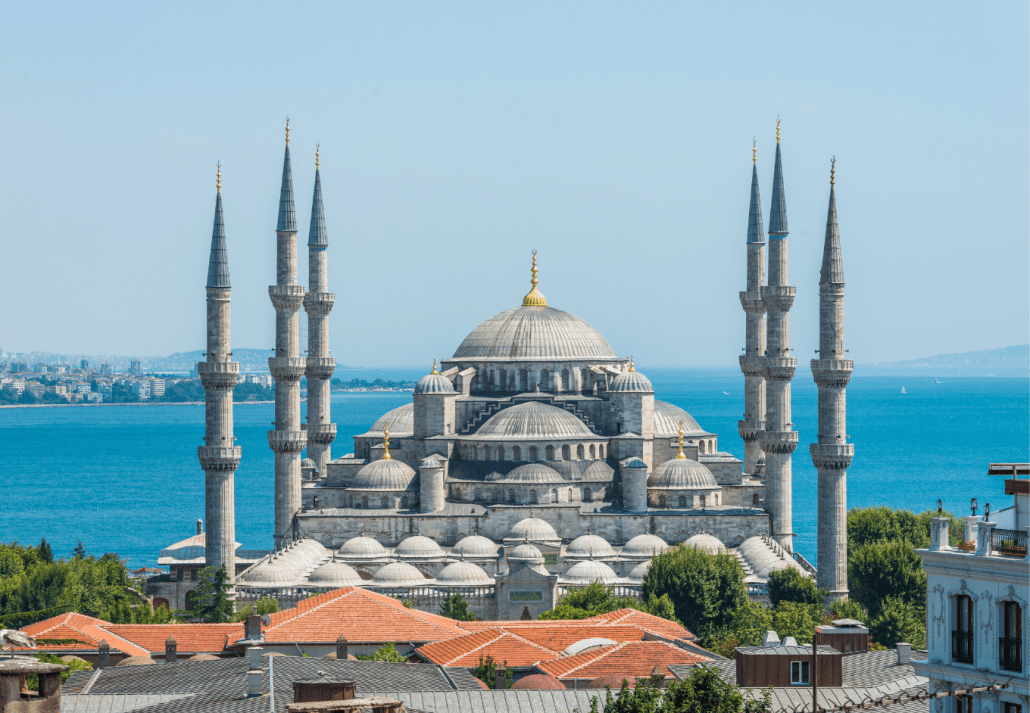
(125,479)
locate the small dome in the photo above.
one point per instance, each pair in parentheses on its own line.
(534,332)
(332,655)
(398,574)
(706,543)
(589,571)
(385,474)
(136,661)
(638,572)
(613,681)
(475,547)
(433,461)
(418,547)
(307,463)
(275,571)
(526,553)
(644,546)
(401,420)
(364,548)
(630,381)
(667,419)
(589,546)
(532,420)
(458,573)
(533,529)
(538,682)
(334,574)
(634,462)
(434,384)
(681,474)
(203,657)
(532,473)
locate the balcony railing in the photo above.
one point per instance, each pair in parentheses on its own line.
(962,646)
(1009,542)
(1010,654)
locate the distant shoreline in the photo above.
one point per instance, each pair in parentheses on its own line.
(194,403)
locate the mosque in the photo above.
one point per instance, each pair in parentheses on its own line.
(535,460)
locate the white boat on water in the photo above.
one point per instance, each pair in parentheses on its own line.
(903,390)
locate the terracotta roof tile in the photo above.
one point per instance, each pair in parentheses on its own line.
(647,622)
(84,628)
(503,646)
(189,638)
(631,659)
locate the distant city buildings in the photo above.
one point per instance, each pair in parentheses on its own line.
(135,367)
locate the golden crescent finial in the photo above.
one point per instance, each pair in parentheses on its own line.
(833,168)
(754,151)
(434,371)
(287,131)
(386,441)
(317,147)
(631,367)
(680,456)
(218,181)
(534,298)
(777,129)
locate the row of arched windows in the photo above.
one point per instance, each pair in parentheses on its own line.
(684,501)
(385,502)
(706,447)
(473,451)
(518,380)
(511,495)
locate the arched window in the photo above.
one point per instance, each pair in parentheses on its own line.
(457,493)
(587,495)
(191,599)
(579,452)
(703,501)
(600,452)
(549,453)
(384,502)
(523,380)
(364,501)
(516,453)
(566,453)
(500,452)
(511,495)
(962,636)
(565,380)
(554,495)
(592,452)
(477,495)
(568,497)
(1011,649)
(404,502)
(475,452)
(502,380)
(683,501)
(533,453)
(701,447)
(545,380)
(486,452)
(754,500)
(532,496)
(661,500)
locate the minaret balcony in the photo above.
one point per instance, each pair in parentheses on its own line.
(832,373)
(752,365)
(286,297)
(320,367)
(778,298)
(218,374)
(832,456)
(321,433)
(782,442)
(752,302)
(287,368)
(219,457)
(287,441)
(319,302)
(751,431)
(779,368)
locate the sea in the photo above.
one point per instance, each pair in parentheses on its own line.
(125,478)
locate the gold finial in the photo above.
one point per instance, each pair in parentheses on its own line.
(287,131)
(777,129)
(754,151)
(680,456)
(434,371)
(534,298)
(832,169)
(317,146)
(631,367)
(218,182)
(386,441)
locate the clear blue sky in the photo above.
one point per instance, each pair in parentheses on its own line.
(456,137)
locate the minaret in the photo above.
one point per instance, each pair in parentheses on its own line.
(753,359)
(832,454)
(317,303)
(778,440)
(220,455)
(287,440)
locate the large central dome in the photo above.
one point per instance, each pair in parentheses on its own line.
(534,332)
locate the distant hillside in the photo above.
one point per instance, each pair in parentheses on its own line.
(249,359)
(1006,359)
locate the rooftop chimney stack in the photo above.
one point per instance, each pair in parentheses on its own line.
(104,659)
(904,652)
(341,648)
(171,651)
(500,679)
(254,674)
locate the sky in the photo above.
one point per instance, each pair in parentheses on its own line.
(614,138)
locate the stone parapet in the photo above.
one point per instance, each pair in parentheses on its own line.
(779,368)
(286,297)
(319,302)
(752,365)
(218,374)
(752,302)
(287,368)
(219,457)
(832,373)
(832,456)
(287,441)
(778,299)
(320,367)
(751,431)
(782,442)
(321,433)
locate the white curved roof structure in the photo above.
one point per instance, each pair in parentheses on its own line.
(534,332)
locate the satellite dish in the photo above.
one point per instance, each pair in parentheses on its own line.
(266,620)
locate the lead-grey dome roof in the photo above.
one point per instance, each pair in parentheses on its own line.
(681,474)
(589,546)
(533,529)
(590,571)
(532,473)
(362,547)
(706,543)
(385,475)
(334,574)
(631,381)
(401,420)
(458,573)
(667,420)
(534,333)
(533,421)
(645,545)
(399,574)
(434,384)
(418,547)
(475,547)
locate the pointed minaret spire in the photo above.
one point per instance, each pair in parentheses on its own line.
(755,230)
(778,212)
(316,233)
(833,265)
(287,218)
(753,358)
(218,265)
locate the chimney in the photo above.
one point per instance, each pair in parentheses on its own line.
(904,652)
(171,651)
(939,534)
(341,648)
(252,627)
(104,660)
(254,674)
(200,526)
(500,679)
(771,639)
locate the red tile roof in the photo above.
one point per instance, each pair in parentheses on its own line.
(648,622)
(631,659)
(503,646)
(85,629)
(189,638)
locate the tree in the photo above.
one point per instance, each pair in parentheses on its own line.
(264,606)
(486,671)
(704,589)
(849,609)
(792,586)
(79,552)
(26,397)
(44,552)
(386,652)
(595,598)
(886,569)
(213,603)
(797,620)
(455,607)
(899,621)
(702,691)
(747,627)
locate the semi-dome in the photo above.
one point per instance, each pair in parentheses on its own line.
(534,332)
(475,547)
(644,546)
(401,420)
(385,474)
(397,574)
(334,574)
(533,529)
(532,473)
(533,420)
(681,474)
(706,543)
(418,547)
(764,558)
(459,573)
(637,573)
(589,546)
(538,682)
(589,571)
(667,419)
(631,380)
(272,572)
(434,383)
(526,553)
(307,463)
(362,548)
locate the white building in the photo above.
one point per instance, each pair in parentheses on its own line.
(157,388)
(976,609)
